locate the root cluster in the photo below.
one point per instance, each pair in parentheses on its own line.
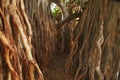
(15,40)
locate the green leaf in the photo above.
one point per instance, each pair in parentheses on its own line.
(55,9)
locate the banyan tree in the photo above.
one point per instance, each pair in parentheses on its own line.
(16,56)
(79,42)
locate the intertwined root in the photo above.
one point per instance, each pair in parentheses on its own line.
(12,70)
(95,61)
(15,20)
(6,54)
(33,66)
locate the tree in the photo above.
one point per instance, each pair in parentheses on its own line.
(88,33)
(17,61)
(94,51)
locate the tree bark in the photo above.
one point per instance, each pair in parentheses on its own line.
(17,61)
(91,39)
(95,46)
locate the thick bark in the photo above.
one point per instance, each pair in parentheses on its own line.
(96,43)
(17,61)
(92,40)
(89,41)
(44,33)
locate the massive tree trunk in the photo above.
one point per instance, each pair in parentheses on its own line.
(16,56)
(44,32)
(95,53)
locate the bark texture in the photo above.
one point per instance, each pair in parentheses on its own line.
(95,49)
(44,32)
(17,61)
(90,38)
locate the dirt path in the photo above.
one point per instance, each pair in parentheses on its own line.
(56,69)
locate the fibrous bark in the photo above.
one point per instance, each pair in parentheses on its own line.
(95,46)
(90,38)
(17,58)
(44,33)
(91,41)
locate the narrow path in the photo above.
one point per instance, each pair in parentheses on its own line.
(56,68)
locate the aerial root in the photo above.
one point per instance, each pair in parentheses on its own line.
(7,59)
(33,66)
(8,48)
(4,41)
(98,70)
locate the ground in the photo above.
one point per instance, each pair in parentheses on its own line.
(56,68)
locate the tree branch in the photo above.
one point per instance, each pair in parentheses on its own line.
(67,19)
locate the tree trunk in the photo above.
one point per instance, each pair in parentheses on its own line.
(91,42)
(16,56)
(95,47)
(44,32)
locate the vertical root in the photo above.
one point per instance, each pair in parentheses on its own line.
(5,41)
(98,70)
(26,19)
(9,75)
(7,59)
(35,65)
(92,73)
(6,55)
(83,74)
(80,60)
(20,21)
(31,71)
(39,71)
(78,70)
(118,75)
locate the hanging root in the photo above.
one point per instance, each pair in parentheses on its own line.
(21,23)
(99,43)
(80,63)
(95,56)
(7,59)
(27,48)
(8,48)
(92,73)
(9,75)
(26,19)
(98,70)
(26,40)
(5,41)
(34,66)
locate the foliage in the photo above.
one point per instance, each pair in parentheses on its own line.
(55,9)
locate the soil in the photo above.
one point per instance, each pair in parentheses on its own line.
(56,68)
